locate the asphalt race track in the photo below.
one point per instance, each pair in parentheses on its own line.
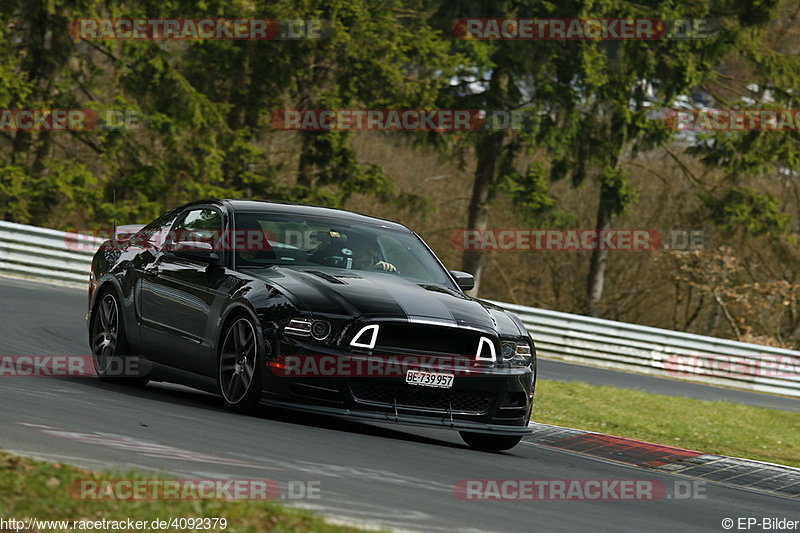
(384,475)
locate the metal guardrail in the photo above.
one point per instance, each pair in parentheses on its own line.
(54,255)
(46,254)
(661,352)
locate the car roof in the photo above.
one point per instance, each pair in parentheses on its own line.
(301,209)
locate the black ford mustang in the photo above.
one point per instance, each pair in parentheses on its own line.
(276,303)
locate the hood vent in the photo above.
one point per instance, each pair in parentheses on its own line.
(325,276)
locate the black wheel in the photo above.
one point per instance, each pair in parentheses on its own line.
(109,344)
(238,377)
(490,443)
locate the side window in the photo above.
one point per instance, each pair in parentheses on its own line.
(154,235)
(199,225)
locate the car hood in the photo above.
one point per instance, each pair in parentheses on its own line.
(334,291)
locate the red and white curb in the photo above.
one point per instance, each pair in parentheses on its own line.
(746,473)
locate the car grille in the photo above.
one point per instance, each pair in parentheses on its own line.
(425,339)
(422,398)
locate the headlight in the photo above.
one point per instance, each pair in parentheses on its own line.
(320,329)
(519,353)
(298,326)
(304,327)
(509,348)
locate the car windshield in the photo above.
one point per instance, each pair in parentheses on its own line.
(267,239)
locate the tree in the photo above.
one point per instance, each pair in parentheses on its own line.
(204,106)
(377,55)
(592,100)
(761,72)
(512,76)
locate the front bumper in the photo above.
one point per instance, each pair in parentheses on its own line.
(406,419)
(487,400)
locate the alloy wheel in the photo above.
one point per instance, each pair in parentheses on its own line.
(238,360)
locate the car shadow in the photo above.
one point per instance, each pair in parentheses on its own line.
(175,394)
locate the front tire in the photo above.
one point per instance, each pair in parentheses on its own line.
(238,375)
(490,443)
(109,343)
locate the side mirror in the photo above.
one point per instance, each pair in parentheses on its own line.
(195,251)
(464,280)
(124,233)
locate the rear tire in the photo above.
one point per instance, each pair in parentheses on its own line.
(238,372)
(109,344)
(490,443)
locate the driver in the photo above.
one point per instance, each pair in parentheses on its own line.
(357,252)
(366,255)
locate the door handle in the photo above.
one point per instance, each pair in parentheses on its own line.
(151,272)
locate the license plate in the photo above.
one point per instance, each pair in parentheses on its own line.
(429,379)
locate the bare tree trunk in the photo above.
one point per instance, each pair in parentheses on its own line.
(306,167)
(713,319)
(488,151)
(478,214)
(598,263)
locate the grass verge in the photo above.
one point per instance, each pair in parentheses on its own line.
(713,427)
(37,489)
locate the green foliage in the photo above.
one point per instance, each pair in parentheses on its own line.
(746,209)
(14,201)
(592,100)
(616,192)
(531,192)
(775,75)
(204,106)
